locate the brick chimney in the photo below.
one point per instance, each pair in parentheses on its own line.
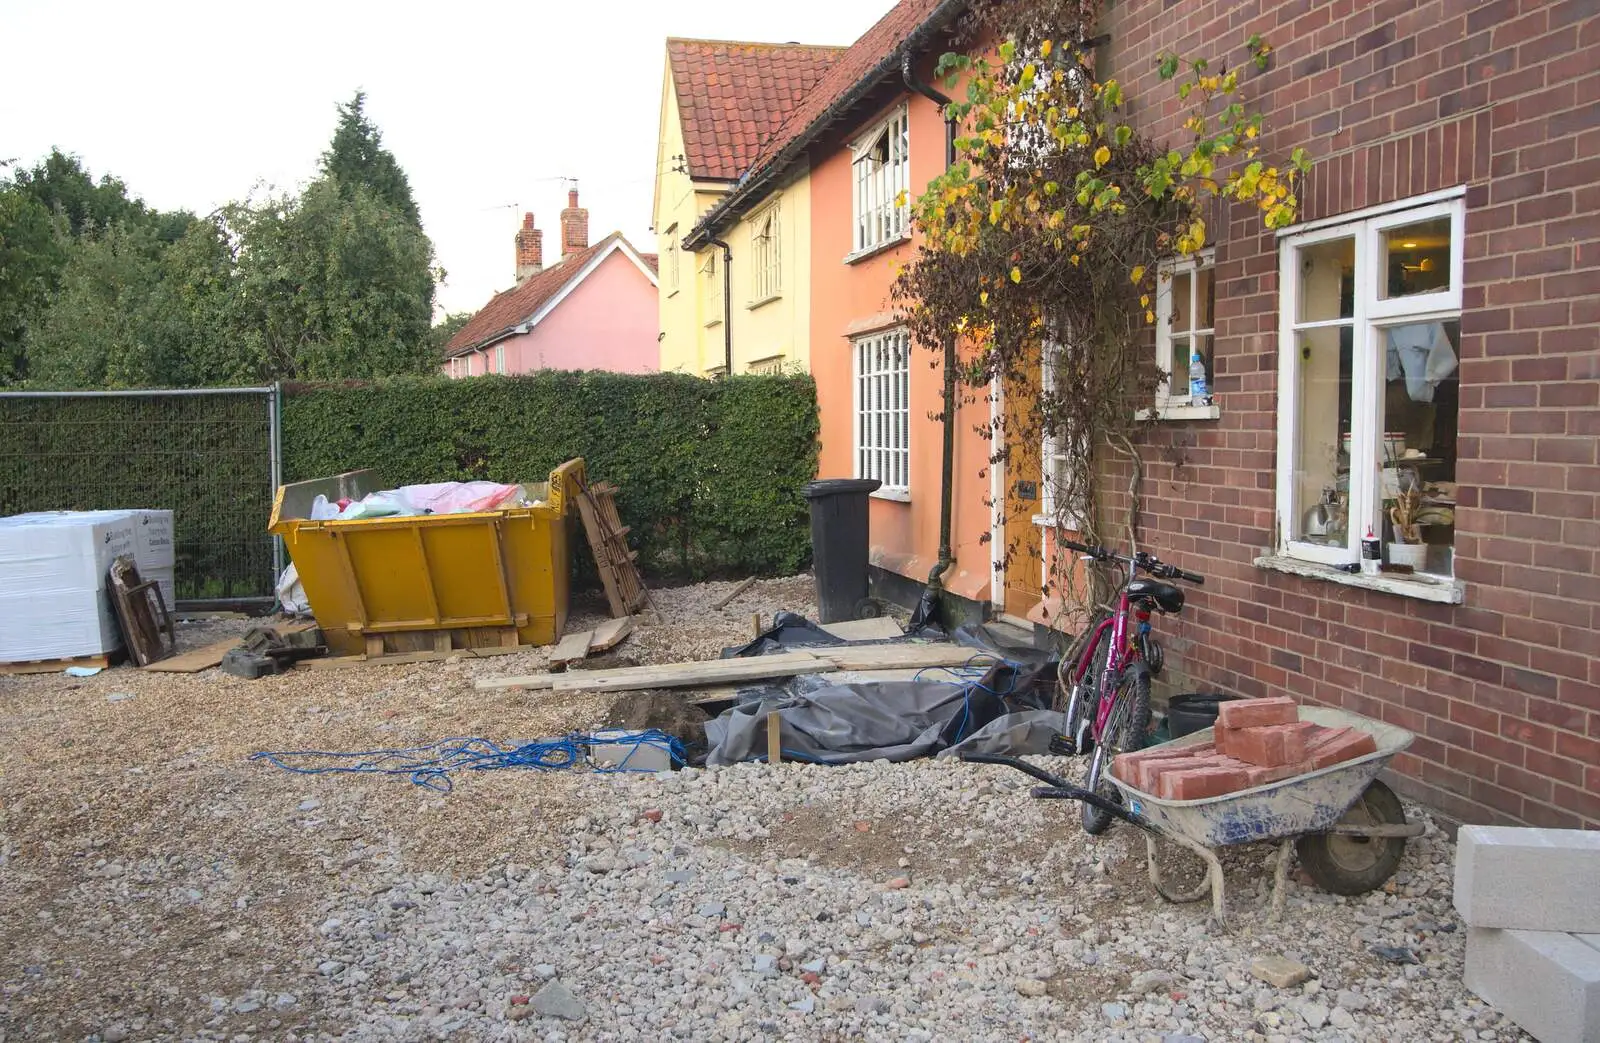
(530,250)
(574,227)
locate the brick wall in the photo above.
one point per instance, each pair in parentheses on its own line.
(1393,99)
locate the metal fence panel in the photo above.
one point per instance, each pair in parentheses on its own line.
(210,455)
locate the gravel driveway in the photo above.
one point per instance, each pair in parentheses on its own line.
(155,884)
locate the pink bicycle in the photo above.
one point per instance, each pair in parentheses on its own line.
(1108,709)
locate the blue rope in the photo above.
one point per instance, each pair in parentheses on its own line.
(970,678)
(430,765)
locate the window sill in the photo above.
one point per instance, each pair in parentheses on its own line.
(866,252)
(672,293)
(893,495)
(1183,412)
(1422,588)
(768,299)
(1050,521)
(713,322)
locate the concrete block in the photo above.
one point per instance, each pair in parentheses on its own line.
(618,749)
(1256,713)
(1529,879)
(1548,982)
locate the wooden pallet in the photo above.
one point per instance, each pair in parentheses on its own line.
(142,613)
(55,666)
(608,539)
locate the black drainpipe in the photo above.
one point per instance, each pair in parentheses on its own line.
(928,607)
(727,306)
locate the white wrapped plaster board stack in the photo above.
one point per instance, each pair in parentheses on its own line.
(1531,899)
(155,552)
(53,600)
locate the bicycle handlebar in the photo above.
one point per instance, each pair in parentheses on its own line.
(1149,562)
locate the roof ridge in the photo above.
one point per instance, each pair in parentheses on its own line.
(761,43)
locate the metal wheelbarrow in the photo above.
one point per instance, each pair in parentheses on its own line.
(1348,828)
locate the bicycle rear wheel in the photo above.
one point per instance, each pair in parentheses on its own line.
(1083,708)
(1125,731)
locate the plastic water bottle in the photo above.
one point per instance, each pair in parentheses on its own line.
(1199,394)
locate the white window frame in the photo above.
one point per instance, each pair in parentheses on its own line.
(1371,316)
(881,415)
(771,365)
(708,269)
(1052,455)
(1168,405)
(766,256)
(500,358)
(672,260)
(881,205)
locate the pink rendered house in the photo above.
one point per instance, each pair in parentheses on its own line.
(594,309)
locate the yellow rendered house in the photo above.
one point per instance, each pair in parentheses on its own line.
(741,304)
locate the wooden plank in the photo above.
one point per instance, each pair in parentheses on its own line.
(878,629)
(571,648)
(889,657)
(735,592)
(55,666)
(671,675)
(194,661)
(610,634)
(722,671)
(774,738)
(404,658)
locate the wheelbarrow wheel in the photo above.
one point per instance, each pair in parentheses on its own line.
(1125,731)
(1345,865)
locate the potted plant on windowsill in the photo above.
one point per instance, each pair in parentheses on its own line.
(1407,547)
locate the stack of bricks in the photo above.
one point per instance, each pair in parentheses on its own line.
(1255,742)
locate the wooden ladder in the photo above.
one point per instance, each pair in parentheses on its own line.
(608,538)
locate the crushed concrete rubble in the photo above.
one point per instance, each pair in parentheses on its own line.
(741,903)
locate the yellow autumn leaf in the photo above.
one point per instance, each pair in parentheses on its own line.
(983,298)
(1016,274)
(1045,48)
(1149,316)
(1137,274)
(1102,156)
(1144,300)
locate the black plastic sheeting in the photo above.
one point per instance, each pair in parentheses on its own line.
(1005,710)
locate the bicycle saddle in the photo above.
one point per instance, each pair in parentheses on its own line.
(1170,598)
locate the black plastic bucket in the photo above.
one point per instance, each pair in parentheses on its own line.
(1193,712)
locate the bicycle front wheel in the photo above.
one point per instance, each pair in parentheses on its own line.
(1126,730)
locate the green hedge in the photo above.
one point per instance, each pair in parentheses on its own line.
(710,472)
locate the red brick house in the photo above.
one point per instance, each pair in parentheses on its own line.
(1432,322)
(1437,312)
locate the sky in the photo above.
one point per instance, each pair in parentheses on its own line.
(488,105)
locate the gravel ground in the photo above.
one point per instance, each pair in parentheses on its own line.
(156,884)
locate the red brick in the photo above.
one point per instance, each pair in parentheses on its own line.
(1200,783)
(1255,713)
(1150,772)
(1345,747)
(1268,747)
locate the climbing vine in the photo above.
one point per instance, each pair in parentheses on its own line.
(1042,245)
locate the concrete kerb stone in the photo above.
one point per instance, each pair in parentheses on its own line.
(1528,879)
(1547,982)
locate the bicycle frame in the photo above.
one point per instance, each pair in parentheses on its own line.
(1121,653)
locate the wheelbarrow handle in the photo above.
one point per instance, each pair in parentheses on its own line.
(1019,764)
(1110,807)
